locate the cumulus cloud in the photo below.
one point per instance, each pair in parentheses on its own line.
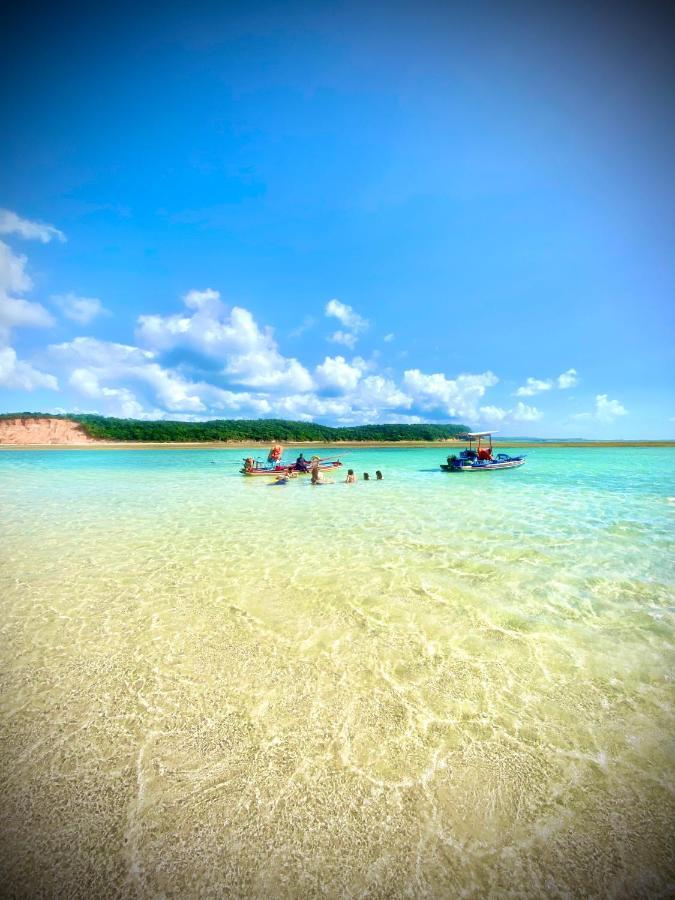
(349,319)
(207,301)
(457,396)
(11,223)
(13,275)
(492,413)
(377,393)
(117,401)
(121,376)
(101,364)
(568,379)
(346,315)
(519,413)
(534,386)
(138,380)
(607,410)
(15,312)
(525,413)
(20,375)
(248,354)
(388,337)
(336,373)
(80,309)
(343,337)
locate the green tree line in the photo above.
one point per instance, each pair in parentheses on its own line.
(263,430)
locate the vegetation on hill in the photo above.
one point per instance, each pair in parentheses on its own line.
(264,430)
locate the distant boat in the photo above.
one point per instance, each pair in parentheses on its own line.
(481,458)
(254,467)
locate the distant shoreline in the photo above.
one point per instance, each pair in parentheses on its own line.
(346,445)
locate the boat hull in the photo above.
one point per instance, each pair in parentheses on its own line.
(281,470)
(485,467)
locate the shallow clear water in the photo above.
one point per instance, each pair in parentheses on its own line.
(437,685)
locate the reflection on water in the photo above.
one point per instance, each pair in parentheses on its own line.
(437,685)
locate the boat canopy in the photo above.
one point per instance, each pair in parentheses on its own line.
(475,434)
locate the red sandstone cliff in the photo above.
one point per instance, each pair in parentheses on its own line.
(22,430)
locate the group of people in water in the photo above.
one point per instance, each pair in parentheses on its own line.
(311,467)
(352,478)
(317,476)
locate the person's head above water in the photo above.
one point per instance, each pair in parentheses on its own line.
(350,471)
(378,475)
(366,476)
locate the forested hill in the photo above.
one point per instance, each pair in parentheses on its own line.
(264,430)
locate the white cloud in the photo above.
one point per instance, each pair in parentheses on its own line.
(525,413)
(346,315)
(117,401)
(102,354)
(206,301)
(568,379)
(114,373)
(13,275)
(379,393)
(492,413)
(335,372)
(343,337)
(21,375)
(607,410)
(16,312)
(457,396)
(248,354)
(350,319)
(388,337)
(534,386)
(96,362)
(80,309)
(10,223)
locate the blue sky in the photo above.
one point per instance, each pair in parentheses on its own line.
(394,212)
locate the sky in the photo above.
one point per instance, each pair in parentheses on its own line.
(345,213)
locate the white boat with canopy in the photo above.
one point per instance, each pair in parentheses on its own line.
(481,458)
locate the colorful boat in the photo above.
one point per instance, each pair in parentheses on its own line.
(255,468)
(481,459)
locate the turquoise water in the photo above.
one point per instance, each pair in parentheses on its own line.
(435,685)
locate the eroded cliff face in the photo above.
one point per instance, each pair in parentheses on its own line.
(22,430)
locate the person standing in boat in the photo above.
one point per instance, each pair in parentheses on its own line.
(275,454)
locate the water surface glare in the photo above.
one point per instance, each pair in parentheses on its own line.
(431,686)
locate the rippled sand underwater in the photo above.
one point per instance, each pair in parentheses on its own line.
(433,686)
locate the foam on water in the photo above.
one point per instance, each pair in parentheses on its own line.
(436,685)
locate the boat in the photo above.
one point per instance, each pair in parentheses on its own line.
(255,468)
(481,459)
